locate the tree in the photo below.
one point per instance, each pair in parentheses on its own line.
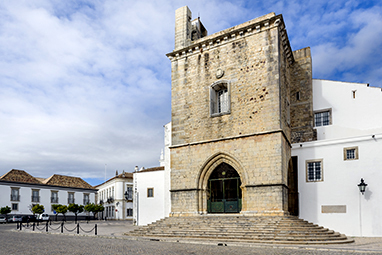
(54,208)
(5,210)
(38,209)
(94,208)
(76,209)
(60,209)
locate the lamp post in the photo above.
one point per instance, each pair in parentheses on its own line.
(362,186)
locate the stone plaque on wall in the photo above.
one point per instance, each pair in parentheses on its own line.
(333,208)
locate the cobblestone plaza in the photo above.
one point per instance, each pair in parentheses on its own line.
(110,240)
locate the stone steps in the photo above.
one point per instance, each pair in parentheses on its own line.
(288,229)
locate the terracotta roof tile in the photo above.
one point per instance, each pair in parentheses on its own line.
(122,175)
(67,181)
(19,176)
(55,180)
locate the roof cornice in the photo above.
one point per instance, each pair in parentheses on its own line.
(246,29)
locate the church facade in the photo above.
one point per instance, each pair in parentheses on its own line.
(253,134)
(232,117)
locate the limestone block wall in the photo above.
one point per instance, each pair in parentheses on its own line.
(251,67)
(258,160)
(254,59)
(302,98)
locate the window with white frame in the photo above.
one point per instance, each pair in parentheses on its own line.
(314,171)
(15,195)
(220,98)
(86,199)
(54,197)
(129,191)
(70,197)
(323,118)
(351,153)
(35,195)
(129,212)
(15,207)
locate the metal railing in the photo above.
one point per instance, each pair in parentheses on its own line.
(48,225)
(36,199)
(15,197)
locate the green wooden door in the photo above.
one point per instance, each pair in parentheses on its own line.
(225,195)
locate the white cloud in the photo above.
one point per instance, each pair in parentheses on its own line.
(87,83)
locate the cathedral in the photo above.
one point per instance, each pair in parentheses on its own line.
(233,117)
(253,134)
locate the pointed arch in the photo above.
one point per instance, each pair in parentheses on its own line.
(206,170)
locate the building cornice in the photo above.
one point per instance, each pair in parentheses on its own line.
(249,28)
(232,137)
(311,144)
(41,185)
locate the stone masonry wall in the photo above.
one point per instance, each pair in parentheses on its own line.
(302,108)
(261,160)
(251,65)
(255,59)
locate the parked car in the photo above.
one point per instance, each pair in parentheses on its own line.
(15,218)
(43,217)
(29,218)
(3,219)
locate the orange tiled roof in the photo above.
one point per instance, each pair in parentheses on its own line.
(122,175)
(67,181)
(55,180)
(19,176)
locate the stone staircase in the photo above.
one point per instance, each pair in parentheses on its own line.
(239,228)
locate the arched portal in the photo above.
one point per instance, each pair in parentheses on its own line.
(224,192)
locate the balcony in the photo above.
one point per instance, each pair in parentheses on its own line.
(54,200)
(36,199)
(15,197)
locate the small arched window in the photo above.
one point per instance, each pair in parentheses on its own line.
(220,98)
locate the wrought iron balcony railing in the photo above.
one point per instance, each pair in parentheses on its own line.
(15,197)
(36,199)
(54,200)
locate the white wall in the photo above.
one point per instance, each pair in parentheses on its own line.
(339,185)
(149,209)
(25,193)
(167,169)
(120,205)
(351,116)
(354,122)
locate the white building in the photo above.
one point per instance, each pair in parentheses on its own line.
(116,195)
(152,187)
(21,191)
(149,194)
(348,120)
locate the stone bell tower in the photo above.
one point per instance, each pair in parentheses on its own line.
(231,121)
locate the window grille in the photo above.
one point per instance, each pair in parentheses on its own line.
(322,118)
(314,171)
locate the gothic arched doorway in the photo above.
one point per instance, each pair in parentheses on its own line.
(224,190)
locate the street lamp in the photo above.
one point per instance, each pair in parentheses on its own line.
(126,195)
(362,186)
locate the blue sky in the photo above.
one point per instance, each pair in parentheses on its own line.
(84,84)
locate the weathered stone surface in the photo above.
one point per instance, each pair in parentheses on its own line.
(256,63)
